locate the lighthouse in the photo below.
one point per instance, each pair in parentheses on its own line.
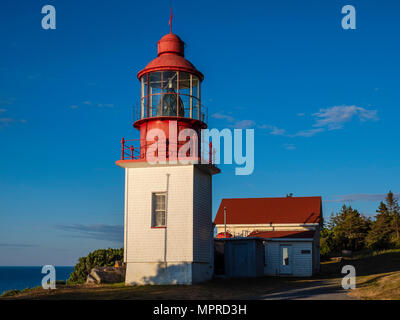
(168,232)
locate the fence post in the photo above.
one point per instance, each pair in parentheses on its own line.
(131,152)
(122,150)
(210,153)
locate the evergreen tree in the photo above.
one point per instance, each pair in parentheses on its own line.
(392,204)
(349,228)
(381,229)
(327,242)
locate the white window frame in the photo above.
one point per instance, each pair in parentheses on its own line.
(156,211)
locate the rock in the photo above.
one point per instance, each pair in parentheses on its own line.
(106,275)
(91,280)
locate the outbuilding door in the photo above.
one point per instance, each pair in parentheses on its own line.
(241,261)
(285,259)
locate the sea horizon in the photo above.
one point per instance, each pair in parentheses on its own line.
(21,277)
(41,266)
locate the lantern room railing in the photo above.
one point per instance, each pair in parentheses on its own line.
(135,149)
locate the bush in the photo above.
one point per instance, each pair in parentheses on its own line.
(97,258)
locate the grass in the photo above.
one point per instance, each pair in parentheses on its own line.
(378,277)
(217,289)
(14,292)
(377,272)
(384,286)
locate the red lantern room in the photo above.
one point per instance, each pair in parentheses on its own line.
(170,90)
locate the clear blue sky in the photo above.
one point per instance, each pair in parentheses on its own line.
(324,103)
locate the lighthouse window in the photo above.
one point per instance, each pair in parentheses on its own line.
(169,81)
(170,93)
(158,209)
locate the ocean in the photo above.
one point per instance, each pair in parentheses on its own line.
(27,277)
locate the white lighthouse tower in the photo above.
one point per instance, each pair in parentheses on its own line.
(168,234)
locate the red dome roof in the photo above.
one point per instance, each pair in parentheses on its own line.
(170,56)
(171,43)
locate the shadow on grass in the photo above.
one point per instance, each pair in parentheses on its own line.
(368,265)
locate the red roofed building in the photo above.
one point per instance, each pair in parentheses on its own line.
(289,226)
(245,215)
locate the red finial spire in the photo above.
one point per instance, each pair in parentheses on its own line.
(170,19)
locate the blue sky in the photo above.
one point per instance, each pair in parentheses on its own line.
(323,102)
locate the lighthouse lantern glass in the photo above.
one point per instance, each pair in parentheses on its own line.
(170,93)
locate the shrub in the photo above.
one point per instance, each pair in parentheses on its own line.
(97,258)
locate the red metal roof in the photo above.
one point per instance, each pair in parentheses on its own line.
(283,234)
(170,56)
(270,210)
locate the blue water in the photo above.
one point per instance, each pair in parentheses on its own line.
(27,277)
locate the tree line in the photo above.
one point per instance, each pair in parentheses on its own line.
(351,230)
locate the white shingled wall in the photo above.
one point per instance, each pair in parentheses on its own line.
(147,244)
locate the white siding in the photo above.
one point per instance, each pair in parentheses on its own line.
(126,215)
(202,216)
(245,230)
(302,264)
(272,258)
(147,244)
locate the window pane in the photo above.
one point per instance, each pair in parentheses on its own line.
(186,106)
(163,218)
(285,256)
(143,94)
(143,108)
(160,219)
(155,82)
(195,108)
(160,202)
(184,83)
(195,87)
(170,81)
(154,105)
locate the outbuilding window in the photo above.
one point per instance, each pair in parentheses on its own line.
(285,256)
(158,209)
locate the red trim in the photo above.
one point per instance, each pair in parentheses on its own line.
(307,234)
(158,227)
(201,124)
(173,68)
